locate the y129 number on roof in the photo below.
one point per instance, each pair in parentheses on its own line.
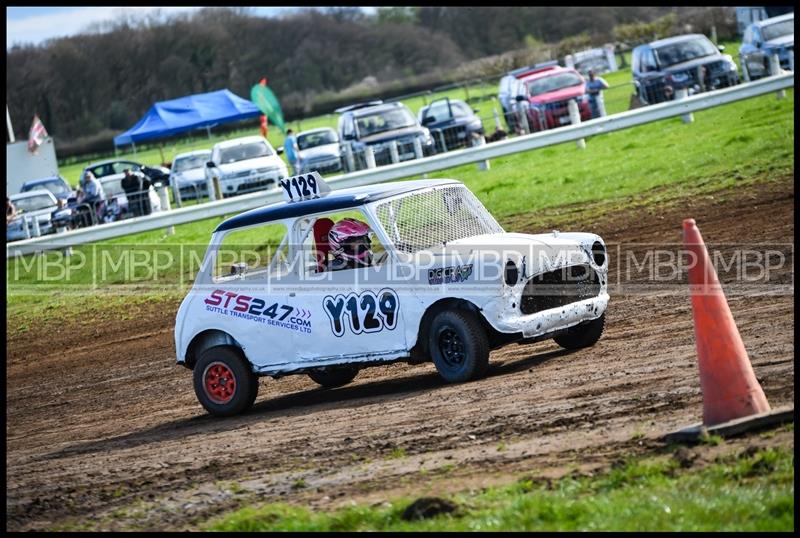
(304,187)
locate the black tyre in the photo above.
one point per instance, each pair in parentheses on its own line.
(223,381)
(334,377)
(583,335)
(458,346)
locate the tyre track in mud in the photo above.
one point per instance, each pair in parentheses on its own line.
(104,426)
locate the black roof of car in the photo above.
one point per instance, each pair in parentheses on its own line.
(334,201)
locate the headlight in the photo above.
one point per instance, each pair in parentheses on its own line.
(598,253)
(729,63)
(511,273)
(426,137)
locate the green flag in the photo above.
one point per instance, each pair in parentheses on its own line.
(267,103)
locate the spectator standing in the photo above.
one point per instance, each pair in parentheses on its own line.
(132,185)
(291,149)
(11,210)
(91,192)
(595,88)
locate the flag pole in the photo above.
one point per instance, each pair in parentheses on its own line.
(8,124)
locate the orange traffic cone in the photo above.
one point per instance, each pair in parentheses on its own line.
(730,389)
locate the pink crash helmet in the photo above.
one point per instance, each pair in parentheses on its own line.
(349,241)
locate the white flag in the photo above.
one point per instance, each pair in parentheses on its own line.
(37,134)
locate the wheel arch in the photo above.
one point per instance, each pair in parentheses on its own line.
(420,348)
(207,339)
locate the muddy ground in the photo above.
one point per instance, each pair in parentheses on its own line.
(109,435)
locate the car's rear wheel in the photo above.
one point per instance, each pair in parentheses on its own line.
(334,377)
(583,335)
(458,346)
(223,381)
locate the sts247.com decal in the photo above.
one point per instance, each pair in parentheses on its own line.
(366,312)
(279,315)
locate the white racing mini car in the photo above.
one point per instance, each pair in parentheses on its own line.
(440,281)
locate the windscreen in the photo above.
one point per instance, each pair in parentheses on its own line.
(244,152)
(685,51)
(779,29)
(312,140)
(190,162)
(33,203)
(386,120)
(56,187)
(553,83)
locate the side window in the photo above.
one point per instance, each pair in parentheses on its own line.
(648,61)
(319,253)
(252,253)
(748,36)
(347,127)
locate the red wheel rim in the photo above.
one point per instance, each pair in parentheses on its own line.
(219,382)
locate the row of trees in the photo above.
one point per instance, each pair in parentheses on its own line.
(99,83)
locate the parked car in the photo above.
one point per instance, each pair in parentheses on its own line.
(188,173)
(245,164)
(764,38)
(510,87)
(599,60)
(447,285)
(34,204)
(377,124)
(56,184)
(547,93)
(452,123)
(664,66)
(319,150)
(116,168)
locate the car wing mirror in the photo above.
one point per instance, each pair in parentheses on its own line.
(210,164)
(520,98)
(427,120)
(279,150)
(721,48)
(239,268)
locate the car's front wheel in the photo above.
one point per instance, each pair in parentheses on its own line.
(334,377)
(458,345)
(583,335)
(223,381)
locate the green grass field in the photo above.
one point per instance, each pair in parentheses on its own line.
(749,491)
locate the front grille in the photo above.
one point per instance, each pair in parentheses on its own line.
(558,288)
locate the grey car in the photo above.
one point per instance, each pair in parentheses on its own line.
(380,126)
(764,38)
(688,61)
(319,150)
(33,205)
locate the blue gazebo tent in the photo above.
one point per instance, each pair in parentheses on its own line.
(167,118)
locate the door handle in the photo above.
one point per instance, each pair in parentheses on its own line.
(292,294)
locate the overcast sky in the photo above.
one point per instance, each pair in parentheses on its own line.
(36,24)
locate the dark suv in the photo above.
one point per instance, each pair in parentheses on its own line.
(378,124)
(662,67)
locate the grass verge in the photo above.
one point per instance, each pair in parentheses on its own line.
(749,491)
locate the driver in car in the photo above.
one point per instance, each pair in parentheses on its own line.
(350,245)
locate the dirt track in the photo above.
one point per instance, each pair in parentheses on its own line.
(116,425)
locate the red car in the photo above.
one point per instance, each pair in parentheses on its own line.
(548,91)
